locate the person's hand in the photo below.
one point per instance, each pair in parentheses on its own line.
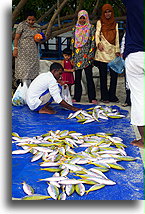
(100,47)
(117,54)
(15,52)
(75,109)
(121,55)
(37,40)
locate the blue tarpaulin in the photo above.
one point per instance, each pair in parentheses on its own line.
(129,182)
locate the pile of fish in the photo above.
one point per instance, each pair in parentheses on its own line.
(95,113)
(72,170)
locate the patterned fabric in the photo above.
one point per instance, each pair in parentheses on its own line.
(27,62)
(82,31)
(84,55)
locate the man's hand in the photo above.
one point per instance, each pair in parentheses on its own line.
(68,106)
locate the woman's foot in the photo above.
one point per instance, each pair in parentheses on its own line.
(95,102)
(114,101)
(125,105)
(139,143)
(74,101)
(104,101)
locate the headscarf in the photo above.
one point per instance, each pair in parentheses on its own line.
(82,31)
(108,25)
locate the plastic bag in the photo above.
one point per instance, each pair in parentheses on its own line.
(19,97)
(117,65)
(66,94)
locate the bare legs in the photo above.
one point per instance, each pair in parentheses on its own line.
(140,142)
(47,110)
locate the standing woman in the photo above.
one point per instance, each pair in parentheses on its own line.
(26,49)
(83,50)
(107,42)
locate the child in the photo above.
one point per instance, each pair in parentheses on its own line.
(67,76)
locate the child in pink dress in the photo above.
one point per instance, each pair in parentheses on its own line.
(67,76)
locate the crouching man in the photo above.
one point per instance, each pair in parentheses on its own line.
(44,89)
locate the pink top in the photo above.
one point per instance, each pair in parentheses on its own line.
(68,77)
(67,64)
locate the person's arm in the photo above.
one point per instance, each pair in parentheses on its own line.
(92,44)
(117,42)
(15,51)
(72,43)
(122,47)
(18,34)
(68,106)
(55,93)
(98,36)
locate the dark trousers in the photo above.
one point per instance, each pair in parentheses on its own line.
(107,94)
(128,100)
(90,84)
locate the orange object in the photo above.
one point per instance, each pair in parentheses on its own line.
(38,36)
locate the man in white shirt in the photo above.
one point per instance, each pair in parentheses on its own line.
(44,89)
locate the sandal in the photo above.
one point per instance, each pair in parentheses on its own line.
(105,101)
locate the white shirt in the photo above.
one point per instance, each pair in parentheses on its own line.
(39,85)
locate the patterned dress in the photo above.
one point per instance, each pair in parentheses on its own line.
(27,62)
(84,55)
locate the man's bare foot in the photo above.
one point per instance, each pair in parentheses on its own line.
(46,110)
(139,143)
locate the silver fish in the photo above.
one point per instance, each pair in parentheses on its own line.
(28,189)
(70,181)
(19,151)
(37,156)
(53,191)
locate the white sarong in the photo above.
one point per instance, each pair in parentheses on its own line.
(135,73)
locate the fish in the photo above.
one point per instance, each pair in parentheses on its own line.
(64,172)
(73,167)
(28,189)
(98,179)
(76,113)
(70,181)
(54,183)
(57,150)
(89,120)
(45,164)
(80,189)
(95,187)
(70,189)
(19,151)
(51,169)
(53,191)
(57,178)
(116,166)
(36,197)
(37,156)
(62,196)
(98,172)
